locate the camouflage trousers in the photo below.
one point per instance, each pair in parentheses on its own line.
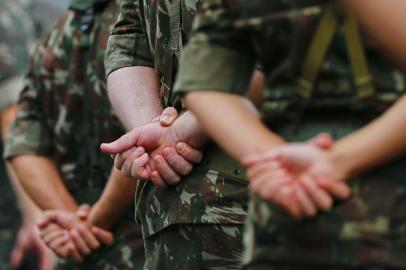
(367,231)
(127,252)
(195,246)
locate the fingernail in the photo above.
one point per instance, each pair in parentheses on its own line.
(179,146)
(165,118)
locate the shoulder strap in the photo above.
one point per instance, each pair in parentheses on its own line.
(319,46)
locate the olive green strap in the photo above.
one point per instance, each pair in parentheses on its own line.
(356,54)
(317,51)
(318,48)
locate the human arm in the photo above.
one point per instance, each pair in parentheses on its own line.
(383,22)
(117,196)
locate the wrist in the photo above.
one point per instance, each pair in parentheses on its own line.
(342,164)
(96,217)
(187,129)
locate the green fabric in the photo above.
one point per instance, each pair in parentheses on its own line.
(196,246)
(81,5)
(366,231)
(64,115)
(147,34)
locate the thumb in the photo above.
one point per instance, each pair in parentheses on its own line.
(168,116)
(122,144)
(323,141)
(83,211)
(105,237)
(16,257)
(46,260)
(46,218)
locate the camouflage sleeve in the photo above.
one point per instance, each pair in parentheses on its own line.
(128,43)
(30,134)
(217,57)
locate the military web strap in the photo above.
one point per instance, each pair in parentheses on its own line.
(319,46)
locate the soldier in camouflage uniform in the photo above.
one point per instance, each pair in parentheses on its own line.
(312,89)
(196,224)
(63,107)
(16,26)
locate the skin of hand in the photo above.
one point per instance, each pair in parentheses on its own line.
(71,235)
(154,151)
(302,177)
(28,241)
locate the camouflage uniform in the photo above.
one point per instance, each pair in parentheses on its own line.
(198,223)
(65,115)
(364,232)
(17,33)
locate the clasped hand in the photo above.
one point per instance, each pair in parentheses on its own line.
(154,151)
(70,235)
(301,178)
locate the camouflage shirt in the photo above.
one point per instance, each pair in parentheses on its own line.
(368,229)
(64,111)
(152,33)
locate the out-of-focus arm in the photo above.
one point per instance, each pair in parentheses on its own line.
(117,197)
(384,22)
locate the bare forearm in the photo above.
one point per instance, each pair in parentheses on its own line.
(42,182)
(134,94)
(231,123)
(384,21)
(376,143)
(117,197)
(29,210)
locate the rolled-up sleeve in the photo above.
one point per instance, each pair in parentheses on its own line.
(30,134)
(128,43)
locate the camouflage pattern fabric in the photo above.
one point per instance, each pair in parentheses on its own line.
(65,115)
(364,232)
(152,34)
(17,34)
(182,246)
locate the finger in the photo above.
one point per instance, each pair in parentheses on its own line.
(338,189)
(105,237)
(138,167)
(57,243)
(126,168)
(157,180)
(46,260)
(258,182)
(122,144)
(74,253)
(287,199)
(46,218)
(50,237)
(168,116)
(80,244)
(318,195)
(272,178)
(258,158)
(260,168)
(88,237)
(307,207)
(189,153)
(323,141)
(176,162)
(122,158)
(83,211)
(165,171)
(16,258)
(63,251)
(49,232)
